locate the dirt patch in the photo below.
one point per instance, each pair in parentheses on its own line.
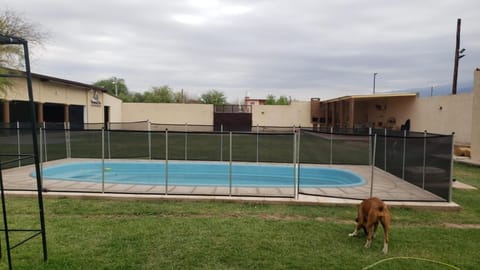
(462,226)
(336,220)
(281,217)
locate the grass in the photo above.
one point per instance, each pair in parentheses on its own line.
(113,234)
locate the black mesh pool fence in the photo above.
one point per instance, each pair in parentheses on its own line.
(418,158)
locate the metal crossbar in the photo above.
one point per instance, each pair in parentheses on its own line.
(9,40)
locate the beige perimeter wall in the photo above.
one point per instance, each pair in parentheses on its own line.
(444,114)
(297,113)
(168,113)
(475,146)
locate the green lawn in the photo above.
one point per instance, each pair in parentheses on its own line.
(120,234)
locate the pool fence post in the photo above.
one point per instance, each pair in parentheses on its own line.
(186,141)
(18,144)
(404,148)
(65,134)
(40,146)
(298,162)
(166,161)
(373,163)
(424,157)
(109,139)
(221,142)
(294,161)
(103,159)
(451,169)
(45,141)
(331,146)
(370,144)
(149,127)
(385,150)
(69,140)
(230,168)
(257,140)
(40,150)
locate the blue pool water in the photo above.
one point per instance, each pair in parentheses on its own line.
(202,174)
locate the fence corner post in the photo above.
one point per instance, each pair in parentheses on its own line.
(373,163)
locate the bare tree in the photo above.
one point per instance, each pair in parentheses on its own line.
(12,24)
(11,56)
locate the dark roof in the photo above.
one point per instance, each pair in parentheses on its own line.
(372,97)
(45,78)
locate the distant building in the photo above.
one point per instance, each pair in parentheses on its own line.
(254,101)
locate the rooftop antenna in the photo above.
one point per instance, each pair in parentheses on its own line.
(374,77)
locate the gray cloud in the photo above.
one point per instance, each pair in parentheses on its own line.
(300,49)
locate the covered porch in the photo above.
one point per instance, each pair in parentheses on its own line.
(362,111)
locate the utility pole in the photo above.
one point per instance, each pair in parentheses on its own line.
(458,56)
(115,83)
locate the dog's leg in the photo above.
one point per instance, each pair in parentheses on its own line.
(369,235)
(371,226)
(359,221)
(375,226)
(355,232)
(386,229)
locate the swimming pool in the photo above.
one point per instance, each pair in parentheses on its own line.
(202,174)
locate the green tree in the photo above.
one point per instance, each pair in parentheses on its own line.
(137,97)
(282,100)
(11,56)
(270,100)
(180,97)
(115,86)
(162,94)
(214,97)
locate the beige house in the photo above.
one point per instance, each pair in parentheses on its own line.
(60,100)
(438,114)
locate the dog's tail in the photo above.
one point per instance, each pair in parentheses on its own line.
(381,209)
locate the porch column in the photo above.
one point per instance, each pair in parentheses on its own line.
(326,114)
(39,112)
(6,111)
(333,113)
(351,114)
(341,116)
(65,113)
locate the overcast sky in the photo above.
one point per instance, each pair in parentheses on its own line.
(302,48)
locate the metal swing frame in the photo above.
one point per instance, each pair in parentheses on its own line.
(9,40)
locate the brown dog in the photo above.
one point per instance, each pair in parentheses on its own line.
(370,212)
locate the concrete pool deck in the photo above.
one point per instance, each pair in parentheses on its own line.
(386,186)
